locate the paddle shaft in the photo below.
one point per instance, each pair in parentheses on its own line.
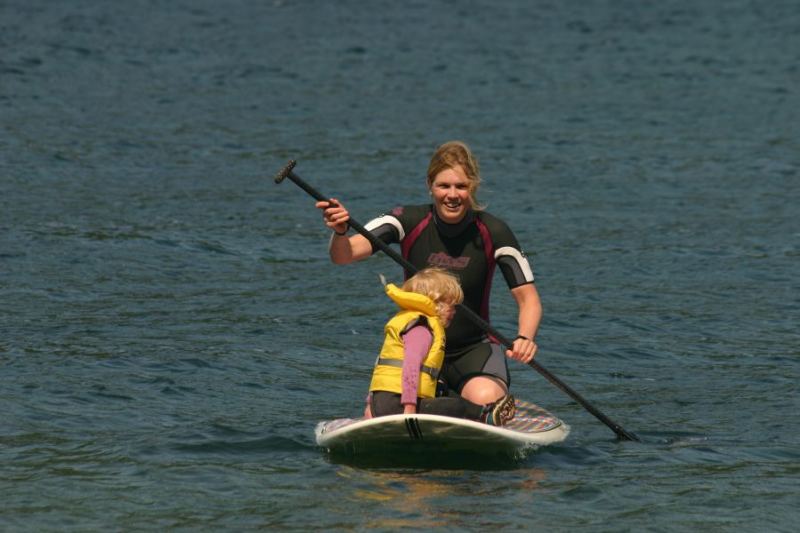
(287,172)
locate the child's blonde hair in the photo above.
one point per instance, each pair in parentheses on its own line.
(437,284)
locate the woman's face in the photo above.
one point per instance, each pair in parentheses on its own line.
(450,192)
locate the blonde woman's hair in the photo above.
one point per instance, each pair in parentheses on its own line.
(455,153)
(437,284)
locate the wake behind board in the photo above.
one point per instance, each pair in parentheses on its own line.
(531,427)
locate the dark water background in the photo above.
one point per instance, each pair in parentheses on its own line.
(171,329)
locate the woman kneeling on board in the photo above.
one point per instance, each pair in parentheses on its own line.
(405,374)
(454,232)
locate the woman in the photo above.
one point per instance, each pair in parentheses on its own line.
(455,233)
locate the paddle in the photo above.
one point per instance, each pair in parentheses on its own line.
(287,172)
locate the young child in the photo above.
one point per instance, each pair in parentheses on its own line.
(404,378)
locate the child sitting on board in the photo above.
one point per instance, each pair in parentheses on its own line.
(404,378)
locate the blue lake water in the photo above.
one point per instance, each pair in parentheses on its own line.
(171,329)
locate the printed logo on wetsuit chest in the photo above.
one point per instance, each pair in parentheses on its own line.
(442,260)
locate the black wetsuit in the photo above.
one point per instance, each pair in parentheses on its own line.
(471,250)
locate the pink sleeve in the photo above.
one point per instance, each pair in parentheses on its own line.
(416,343)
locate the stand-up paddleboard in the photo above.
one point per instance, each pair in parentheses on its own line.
(531,427)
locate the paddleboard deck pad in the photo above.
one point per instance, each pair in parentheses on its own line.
(531,427)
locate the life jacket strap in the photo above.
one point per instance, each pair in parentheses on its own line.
(433,372)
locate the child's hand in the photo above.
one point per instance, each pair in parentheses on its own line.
(409,409)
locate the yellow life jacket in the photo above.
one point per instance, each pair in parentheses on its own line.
(388,372)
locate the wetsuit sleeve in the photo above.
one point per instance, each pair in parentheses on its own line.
(510,258)
(386,228)
(392,228)
(416,344)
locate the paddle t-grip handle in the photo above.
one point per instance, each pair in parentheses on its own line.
(285,171)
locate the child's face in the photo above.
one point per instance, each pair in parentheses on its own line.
(449,313)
